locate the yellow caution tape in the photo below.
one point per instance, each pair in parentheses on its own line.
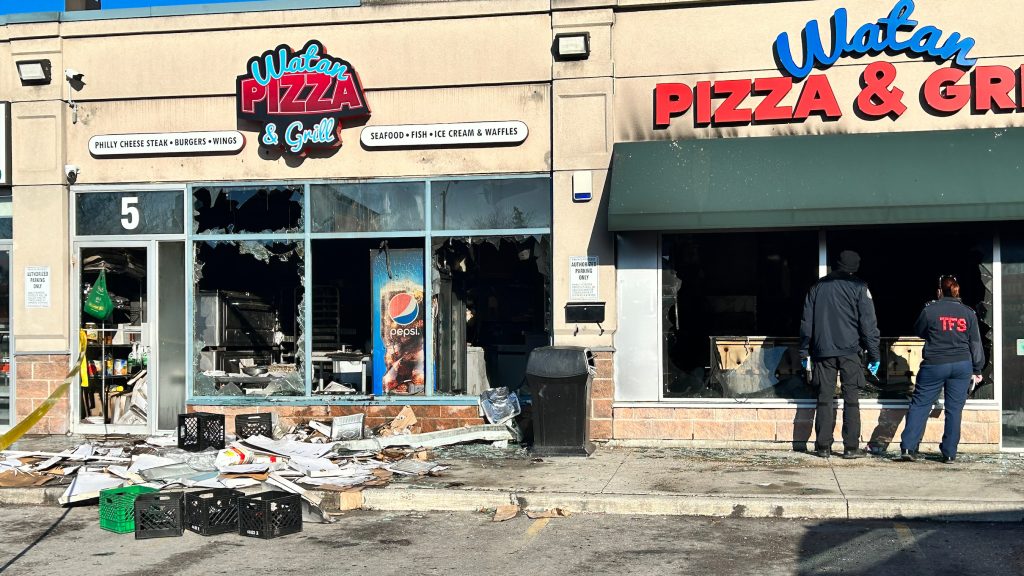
(19,430)
(83,341)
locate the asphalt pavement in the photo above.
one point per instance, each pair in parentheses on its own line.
(63,542)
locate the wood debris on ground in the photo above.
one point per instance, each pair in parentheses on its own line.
(305,459)
(506,512)
(551,513)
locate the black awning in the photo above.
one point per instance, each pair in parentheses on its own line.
(834,180)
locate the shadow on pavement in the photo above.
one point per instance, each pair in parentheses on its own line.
(954,545)
(889,419)
(803,426)
(35,542)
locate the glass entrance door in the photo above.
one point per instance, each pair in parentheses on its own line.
(114,324)
(170,334)
(134,236)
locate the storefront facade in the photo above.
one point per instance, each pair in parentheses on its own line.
(664,193)
(746,157)
(296,211)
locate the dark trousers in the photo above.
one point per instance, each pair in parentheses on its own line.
(851,374)
(955,377)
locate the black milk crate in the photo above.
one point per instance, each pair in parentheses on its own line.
(247,425)
(210,512)
(269,514)
(198,431)
(158,515)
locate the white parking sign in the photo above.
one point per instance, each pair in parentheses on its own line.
(583,286)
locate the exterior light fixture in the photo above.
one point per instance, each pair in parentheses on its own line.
(34,72)
(572,46)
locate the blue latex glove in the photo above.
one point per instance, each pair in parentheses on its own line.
(873,368)
(803,362)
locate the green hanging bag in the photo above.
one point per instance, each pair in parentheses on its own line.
(98,303)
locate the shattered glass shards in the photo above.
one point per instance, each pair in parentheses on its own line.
(203,384)
(249,318)
(247,209)
(285,384)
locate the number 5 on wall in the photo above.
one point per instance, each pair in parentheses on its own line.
(130,212)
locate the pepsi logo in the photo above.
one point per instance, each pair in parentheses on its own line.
(403,308)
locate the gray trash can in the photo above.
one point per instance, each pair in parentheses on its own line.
(560,379)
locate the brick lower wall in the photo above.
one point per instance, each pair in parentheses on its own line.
(980,430)
(433,418)
(602,393)
(430,418)
(36,377)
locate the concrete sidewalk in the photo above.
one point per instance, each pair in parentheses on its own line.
(698,482)
(708,482)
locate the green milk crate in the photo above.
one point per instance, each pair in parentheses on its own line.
(117,508)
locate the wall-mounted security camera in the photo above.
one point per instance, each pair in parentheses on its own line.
(74,78)
(71,172)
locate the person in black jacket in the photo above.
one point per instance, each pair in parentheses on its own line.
(953,360)
(838,322)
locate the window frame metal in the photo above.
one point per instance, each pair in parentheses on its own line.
(307,236)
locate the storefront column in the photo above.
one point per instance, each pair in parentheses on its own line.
(582,143)
(581,147)
(40,208)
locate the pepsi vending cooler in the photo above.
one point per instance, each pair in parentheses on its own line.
(398,321)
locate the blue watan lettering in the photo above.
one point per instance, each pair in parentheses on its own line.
(277,64)
(872,38)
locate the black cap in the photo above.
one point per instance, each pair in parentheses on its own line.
(849,262)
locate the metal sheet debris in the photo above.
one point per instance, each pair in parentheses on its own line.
(484,432)
(320,427)
(87,485)
(347,427)
(315,467)
(162,441)
(288,448)
(69,456)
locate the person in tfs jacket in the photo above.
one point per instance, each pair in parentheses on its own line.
(838,322)
(953,360)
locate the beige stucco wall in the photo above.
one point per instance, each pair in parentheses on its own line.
(527,102)
(452,52)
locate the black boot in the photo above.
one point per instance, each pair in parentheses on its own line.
(907,456)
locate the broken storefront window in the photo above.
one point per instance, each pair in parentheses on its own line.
(731,305)
(491,305)
(249,330)
(247,209)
